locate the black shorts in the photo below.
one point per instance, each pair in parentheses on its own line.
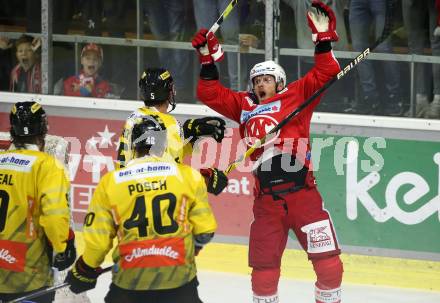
(47,298)
(184,294)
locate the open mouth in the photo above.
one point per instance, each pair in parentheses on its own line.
(261,94)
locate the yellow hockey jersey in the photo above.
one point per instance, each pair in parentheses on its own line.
(154,207)
(176,146)
(33,209)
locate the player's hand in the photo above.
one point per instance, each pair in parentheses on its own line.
(200,241)
(82,277)
(63,260)
(215,180)
(437,31)
(322,21)
(207,46)
(204,127)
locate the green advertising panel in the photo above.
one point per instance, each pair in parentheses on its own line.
(381,193)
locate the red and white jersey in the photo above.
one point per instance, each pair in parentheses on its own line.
(256,120)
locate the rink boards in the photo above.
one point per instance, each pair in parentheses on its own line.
(379,178)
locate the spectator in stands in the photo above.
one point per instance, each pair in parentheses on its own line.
(60,16)
(90,13)
(6,58)
(415,14)
(252,25)
(206,13)
(437,28)
(251,36)
(167,22)
(26,75)
(365,14)
(88,83)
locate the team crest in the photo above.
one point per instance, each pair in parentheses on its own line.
(259,126)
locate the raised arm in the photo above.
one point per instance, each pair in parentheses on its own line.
(322,22)
(209,89)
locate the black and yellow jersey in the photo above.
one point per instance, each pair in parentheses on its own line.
(177,148)
(33,210)
(154,207)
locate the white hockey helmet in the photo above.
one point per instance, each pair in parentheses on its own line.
(268,68)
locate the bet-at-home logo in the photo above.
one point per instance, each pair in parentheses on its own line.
(357,191)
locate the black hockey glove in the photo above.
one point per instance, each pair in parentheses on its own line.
(215,180)
(82,277)
(204,127)
(200,241)
(63,260)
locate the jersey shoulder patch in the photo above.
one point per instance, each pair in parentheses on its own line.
(17,161)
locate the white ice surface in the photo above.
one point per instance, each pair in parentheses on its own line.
(216,287)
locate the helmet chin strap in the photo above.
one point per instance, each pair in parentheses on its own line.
(254,97)
(172,102)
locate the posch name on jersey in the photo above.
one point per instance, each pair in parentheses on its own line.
(6,179)
(147,186)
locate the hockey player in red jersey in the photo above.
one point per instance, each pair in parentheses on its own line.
(286,196)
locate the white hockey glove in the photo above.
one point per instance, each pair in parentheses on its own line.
(322,22)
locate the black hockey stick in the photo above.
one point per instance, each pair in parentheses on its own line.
(44,291)
(223,16)
(362,56)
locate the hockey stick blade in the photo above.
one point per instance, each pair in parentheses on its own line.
(44,291)
(223,16)
(362,56)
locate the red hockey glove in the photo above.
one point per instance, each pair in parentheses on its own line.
(215,180)
(63,260)
(208,47)
(82,277)
(322,21)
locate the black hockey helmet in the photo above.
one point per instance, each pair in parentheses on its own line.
(157,86)
(27,119)
(149,134)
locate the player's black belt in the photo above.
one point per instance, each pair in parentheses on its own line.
(280,178)
(278,193)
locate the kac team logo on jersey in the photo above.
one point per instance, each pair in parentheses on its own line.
(259,126)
